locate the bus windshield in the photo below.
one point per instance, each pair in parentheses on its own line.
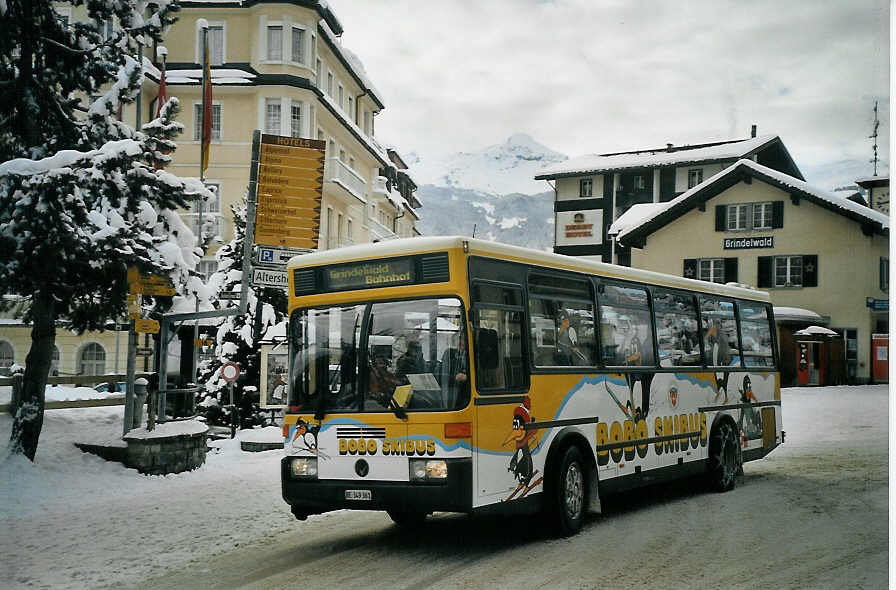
(380,357)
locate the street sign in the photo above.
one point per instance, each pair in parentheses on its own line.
(877,304)
(141,351)
(229,295)
(268,255)
(203,342)
(149,284)
(230,371)
(146,326)
(288,193)
(264,277)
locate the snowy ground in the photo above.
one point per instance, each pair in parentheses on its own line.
(73,520)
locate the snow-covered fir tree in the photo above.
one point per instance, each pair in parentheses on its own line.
(237,338)
(81,198)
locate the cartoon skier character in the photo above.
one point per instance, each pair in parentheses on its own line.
(305,438)
(630,408)
(521,462)
(721,386)
(747,413)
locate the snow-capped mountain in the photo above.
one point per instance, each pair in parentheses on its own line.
(523,220)
(500,169)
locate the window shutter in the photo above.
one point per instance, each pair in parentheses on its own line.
(730,270)
(690,268)
(778,214)
(765,272)
(810,270)
(884,274)
(720,217)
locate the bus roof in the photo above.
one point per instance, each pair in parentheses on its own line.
(477,247)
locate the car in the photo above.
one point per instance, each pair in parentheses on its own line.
(120,387)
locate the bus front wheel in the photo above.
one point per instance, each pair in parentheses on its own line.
(567,504)
(725,459)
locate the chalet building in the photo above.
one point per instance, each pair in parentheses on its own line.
(280,67)
(591,192)
(823,258)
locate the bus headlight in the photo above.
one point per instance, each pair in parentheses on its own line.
(428,469)
(303,467)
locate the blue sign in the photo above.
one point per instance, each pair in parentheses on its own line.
(877,304)
(266,255)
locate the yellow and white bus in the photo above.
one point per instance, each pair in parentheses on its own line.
(455,374)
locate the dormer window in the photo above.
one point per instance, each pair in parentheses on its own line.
(586,187)
(695,177)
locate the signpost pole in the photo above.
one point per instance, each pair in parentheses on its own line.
(249,238)
(131,368)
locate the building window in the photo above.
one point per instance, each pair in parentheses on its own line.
(207,267)
(275,43)
(885,274)
(54,364)
(367,122)
(330,83)
(339,97)
(788,271)
(215,45)
(92,359)
(711,269)
(317,73)
(763,215)
(351,163)
(272,116)
(348,231)
(585,187)
(342,156)
(639,183)
(216,122)
(298,45)
(351,108)
(737,217)
(106,28)
(7,357)
(211,212)
(747,216)
(296,120)
(695,177)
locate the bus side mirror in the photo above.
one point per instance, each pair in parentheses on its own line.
(487,348)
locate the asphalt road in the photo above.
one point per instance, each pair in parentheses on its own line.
(811,515)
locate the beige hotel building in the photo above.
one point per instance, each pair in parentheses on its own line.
(279,67)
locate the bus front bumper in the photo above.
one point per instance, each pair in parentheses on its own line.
(314,496)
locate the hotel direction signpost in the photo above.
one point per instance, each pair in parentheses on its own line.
(290,182)
(285,189)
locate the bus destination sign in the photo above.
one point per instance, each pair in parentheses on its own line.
(367,275)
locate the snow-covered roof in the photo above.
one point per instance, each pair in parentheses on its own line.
(219,76)
(796,314)
(354,62)
(714,184)
(634,216)
(731,150)
(815,331)
(869,181)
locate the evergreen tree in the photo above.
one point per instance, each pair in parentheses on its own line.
(238,336)
(80,197)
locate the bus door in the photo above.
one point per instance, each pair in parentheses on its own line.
(504,466)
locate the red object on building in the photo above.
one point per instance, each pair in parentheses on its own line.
(880,358)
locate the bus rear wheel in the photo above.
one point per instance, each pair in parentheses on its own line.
(725,459)
(567,501)
(407,519)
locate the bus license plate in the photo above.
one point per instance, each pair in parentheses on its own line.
(358,495)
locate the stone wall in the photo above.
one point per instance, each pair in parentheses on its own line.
(159,455)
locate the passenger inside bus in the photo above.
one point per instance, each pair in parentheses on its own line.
(382,381)
(454,379)
(410,363)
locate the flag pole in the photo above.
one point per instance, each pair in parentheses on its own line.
(205,140)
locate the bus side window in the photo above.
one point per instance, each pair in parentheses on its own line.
(497,331)
(721,347)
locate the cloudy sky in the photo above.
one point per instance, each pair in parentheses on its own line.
(589,76)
